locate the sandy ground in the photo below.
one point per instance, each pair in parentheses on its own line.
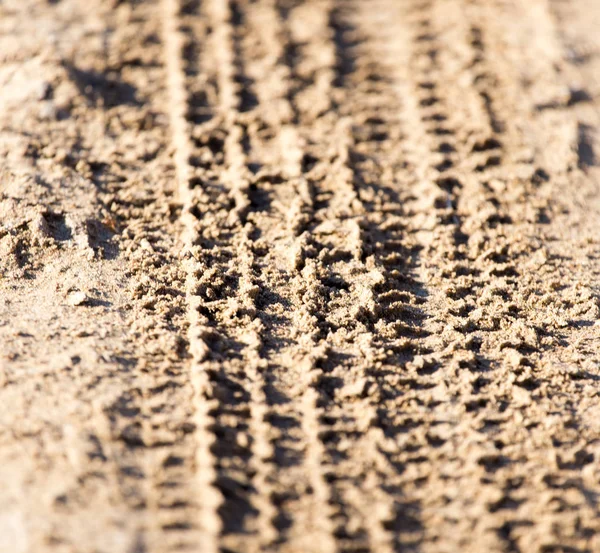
(299,276)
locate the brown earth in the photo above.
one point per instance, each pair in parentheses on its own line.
(299,276)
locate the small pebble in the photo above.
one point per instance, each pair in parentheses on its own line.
(77,298)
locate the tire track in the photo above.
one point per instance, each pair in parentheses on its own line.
(338,195)
(242,468)
(343,209)
(293,198)
(205,463)
(388,304)
(236,96)
(362,309)
(125,437)
(339,206)
(237,180)
(474,216)
(432,72)
(154,448)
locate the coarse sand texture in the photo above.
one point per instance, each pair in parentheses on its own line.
(299,276)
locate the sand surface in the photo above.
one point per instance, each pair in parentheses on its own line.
(299,276)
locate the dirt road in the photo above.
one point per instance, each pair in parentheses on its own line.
(301,276)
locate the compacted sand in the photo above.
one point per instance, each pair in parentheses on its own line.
(299,276)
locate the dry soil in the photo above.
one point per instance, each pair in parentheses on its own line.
(299,276)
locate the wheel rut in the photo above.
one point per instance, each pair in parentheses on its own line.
(312,275)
